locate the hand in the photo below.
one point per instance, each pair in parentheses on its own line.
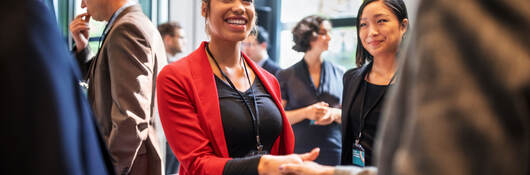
(269,164)
(307,168)
(317,110)
(333,115)
(79,28)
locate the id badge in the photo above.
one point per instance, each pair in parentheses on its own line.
(358,156)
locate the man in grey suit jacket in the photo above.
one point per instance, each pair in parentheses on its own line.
(121,81)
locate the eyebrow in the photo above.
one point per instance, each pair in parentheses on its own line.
(376,15)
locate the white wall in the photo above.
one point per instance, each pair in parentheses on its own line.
(412,9)
(188,13)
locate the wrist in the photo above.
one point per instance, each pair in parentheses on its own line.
(263,162)
(328,171)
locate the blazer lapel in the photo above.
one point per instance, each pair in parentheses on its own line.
(204,83)
(350,90)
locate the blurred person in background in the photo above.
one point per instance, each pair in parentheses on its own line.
(48,125)
(255,46)
(174,39)
(312,92)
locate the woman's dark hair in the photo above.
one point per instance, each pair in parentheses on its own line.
(398,8)
(306,31)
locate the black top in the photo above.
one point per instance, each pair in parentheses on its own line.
(368,94)
(299,91)
(238,129)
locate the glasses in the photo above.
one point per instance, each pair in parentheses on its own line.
(247,44)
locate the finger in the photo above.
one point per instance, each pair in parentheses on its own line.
(310,156)
(87,18)
(80,28)
(324,121)
(81,15)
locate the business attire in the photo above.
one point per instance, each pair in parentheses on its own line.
(121,90)
(48,125)
(270,67)
(299,91)
(462,108)
(195,123)
(362,108)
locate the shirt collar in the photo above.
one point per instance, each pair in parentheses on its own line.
(116,14)
(262,61)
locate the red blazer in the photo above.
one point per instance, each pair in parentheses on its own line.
(188,105)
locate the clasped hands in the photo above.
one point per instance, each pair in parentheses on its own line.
(322,114)
(293,164)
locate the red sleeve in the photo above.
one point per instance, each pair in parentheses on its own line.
(185,131)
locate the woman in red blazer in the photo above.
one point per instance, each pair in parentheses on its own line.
(189,104)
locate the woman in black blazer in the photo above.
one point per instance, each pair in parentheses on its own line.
(381,25)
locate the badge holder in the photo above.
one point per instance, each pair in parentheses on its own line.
(358,155)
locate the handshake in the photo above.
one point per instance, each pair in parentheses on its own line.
(293,164)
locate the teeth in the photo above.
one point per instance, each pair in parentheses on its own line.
(236,21)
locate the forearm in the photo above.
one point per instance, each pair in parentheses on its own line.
(244,165)
(297,115)
(352,170)
(83,60)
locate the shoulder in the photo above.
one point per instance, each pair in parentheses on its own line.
(290,71)
(178,71)
(134,25)
(356,72)
(339,70)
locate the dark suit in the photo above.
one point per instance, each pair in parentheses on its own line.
(351,81)
(48,127)
(122,91)
(271,67)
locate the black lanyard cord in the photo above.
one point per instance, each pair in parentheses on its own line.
(254,118)
(377,101)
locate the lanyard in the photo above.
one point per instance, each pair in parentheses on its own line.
(363,100)
(254,118)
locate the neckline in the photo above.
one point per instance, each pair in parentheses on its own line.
(322,74)
(247,91)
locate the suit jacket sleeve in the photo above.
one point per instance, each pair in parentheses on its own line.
(185,132)
(83,60)
(131,65)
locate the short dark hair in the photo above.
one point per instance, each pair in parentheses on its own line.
(168,28)
(398,8)
(306,31)
(262,36)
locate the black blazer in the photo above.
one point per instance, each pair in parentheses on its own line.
(351,81)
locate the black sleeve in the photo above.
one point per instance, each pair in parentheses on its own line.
(282,80)
(245,165)
(83,60)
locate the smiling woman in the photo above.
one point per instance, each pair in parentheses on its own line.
(226,118)
(381,25)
